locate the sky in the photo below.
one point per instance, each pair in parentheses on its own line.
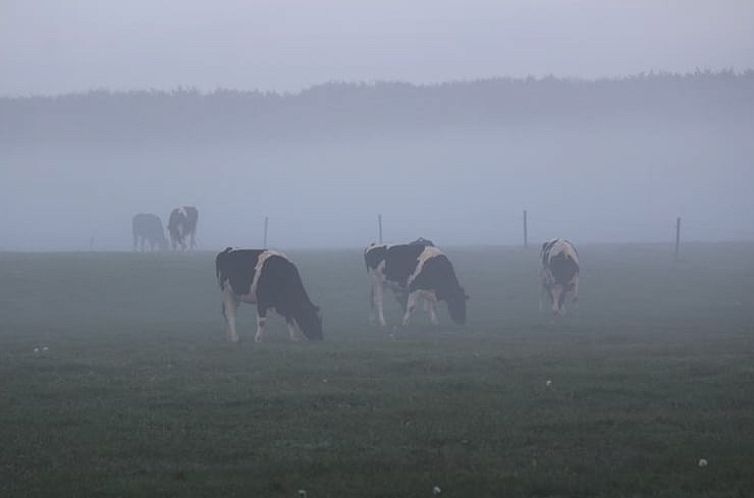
(55,46)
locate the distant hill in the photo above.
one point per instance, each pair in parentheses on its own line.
(383,107)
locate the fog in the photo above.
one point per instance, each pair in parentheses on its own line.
(590,179)
(443,154)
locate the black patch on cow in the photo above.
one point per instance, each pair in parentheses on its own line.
(401,261)
(437,274)
(374,255)
(563,268)
(237,267)
(280,287)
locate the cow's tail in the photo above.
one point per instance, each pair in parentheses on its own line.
(219,260)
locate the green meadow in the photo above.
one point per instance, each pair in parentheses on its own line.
(134,390)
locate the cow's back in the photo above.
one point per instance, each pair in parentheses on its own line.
(237,267)
(560,259)
(401,261)
(148,225)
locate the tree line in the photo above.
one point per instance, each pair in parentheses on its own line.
(383,107)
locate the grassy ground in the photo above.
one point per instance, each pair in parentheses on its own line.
(139,394)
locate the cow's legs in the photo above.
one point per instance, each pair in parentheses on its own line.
(432,312)
(575,289)
(557,294)
(378,300)
(261,322)
(410,306)
(293,331)
(372,312)
(230,305)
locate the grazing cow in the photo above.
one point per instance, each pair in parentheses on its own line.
(271,281)
(147,229)
(560,273)
(416,271)
(181,224)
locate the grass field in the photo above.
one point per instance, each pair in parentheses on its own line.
(140,395)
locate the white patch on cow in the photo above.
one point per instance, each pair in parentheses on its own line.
(414,298)
(377,276)
(293,331)
(432,312)
(565,247)
(251,297)
(230,306)
(428,253)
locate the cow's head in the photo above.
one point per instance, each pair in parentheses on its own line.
(309,320)
(457,305)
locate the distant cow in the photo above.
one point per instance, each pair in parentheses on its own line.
(181,224)
(271,281)
(147,230)
(415,272)
(560,273)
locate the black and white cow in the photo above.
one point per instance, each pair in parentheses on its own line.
(147,230)
(415,272)
(271,281)
(181,224)
(560,273)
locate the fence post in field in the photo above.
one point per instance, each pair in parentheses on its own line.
(266,225)
(526,232)
(379,227)
(677,236)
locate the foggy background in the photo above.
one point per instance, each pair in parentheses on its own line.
(612,149)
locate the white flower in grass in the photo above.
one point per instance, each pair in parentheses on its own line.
(436,490)
(548,383)
(45,348)
(301,493)
(702,462)
(36,350)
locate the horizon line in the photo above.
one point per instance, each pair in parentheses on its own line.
(192,89)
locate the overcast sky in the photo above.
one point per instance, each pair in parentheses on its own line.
(55,46)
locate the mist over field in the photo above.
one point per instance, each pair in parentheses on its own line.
(601,161)
(606,363)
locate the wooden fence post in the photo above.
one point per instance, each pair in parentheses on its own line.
(266,225)
(379,226)
(677,236)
